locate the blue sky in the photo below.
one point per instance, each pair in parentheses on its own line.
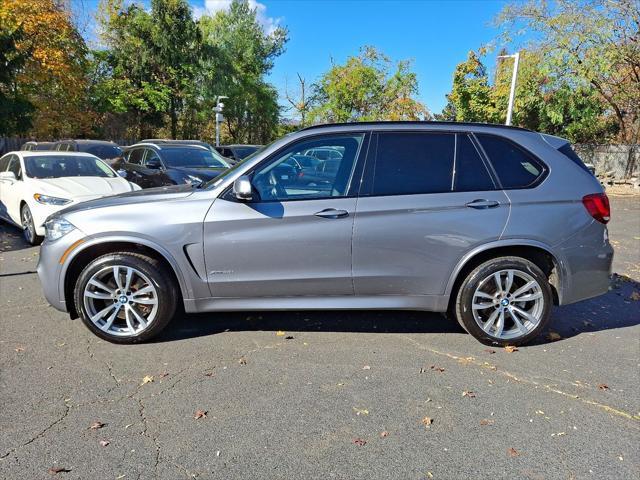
(436,35)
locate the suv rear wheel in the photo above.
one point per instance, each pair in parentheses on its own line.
(125,297)
(504,301)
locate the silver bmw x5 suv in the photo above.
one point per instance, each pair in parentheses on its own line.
(491,224)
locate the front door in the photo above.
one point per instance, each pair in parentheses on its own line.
(429,199)
(294,237)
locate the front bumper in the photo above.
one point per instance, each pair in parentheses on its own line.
(50,269)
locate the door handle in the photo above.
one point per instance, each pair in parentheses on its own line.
(482,204)
(332,213)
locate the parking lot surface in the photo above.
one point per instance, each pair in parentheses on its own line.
(344,395)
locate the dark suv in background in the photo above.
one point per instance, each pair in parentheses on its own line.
(108,151)
(40,146)
(236,153)
(157,164)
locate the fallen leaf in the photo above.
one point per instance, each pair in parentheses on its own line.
(511,348)
(209,374)
(553,336)
(96,425)
(289,337)
(437,369)
(128,425)
(104,443)
(147,379)
(361,411)
(360,442)
(163,374)
(468,393)
(559,434)
(366,367)
(426,421)
(422,370)
(539,412)
(635,296)
(513,452)
(200,414)
(384,434)
(486,421)
(490,351)
(56,470)
(242,361)
(280,333)
(19,349)
(429,475)
(603,386)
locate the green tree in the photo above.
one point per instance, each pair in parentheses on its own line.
(367,87)
(15,110)
(237,56)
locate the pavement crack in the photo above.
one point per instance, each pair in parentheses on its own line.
(42,433)
(526,381)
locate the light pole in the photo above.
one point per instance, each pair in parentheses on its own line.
(512,94)
(219,118)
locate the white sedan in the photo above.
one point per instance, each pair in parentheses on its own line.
(33,185)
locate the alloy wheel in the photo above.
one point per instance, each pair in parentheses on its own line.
(27,225)
(508,304)
(121,300)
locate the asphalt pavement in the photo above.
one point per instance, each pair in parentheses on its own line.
(345,395)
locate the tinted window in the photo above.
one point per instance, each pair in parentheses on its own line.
(471,174)
(409,163)
(56,166)
(151,155)
(573,156)
(14,166)
(4,163)
(285,179)
(515,167)
(243,152)
(135,156)
(102,151)
(190,157)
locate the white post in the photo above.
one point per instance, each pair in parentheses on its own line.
(218,109)
(512,94)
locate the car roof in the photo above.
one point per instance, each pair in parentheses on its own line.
(85,141)
(166,146)
(52,153)
(382,125)
(241,145)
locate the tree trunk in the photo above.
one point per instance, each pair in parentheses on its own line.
(174,118)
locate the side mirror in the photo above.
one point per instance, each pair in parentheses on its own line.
(153,163)
(242,189)
(7,176)
(122,173)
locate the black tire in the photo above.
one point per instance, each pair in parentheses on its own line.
(464,298)
(154,270)
(28,227)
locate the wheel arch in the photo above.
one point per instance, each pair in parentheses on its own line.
(103,246)
(536,252)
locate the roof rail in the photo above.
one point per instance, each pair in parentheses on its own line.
(416,122)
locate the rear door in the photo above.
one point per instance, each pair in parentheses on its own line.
(427,199)
(133,166)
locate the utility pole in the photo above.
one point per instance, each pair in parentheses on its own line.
(219,117)
(512,94)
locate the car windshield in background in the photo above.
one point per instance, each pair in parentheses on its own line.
(244,152)
(102,151)
(58,166)
(190,158)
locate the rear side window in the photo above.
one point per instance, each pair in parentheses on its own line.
(413,163)
(135,156)
(471,174)
(515,167)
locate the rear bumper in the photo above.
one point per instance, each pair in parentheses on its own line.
(587,259)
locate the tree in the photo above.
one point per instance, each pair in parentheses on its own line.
(300,102)
(15,110)
(237,56)
(590,44)
(365,88)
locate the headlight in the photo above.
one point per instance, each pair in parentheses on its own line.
(191,179)
(57,227)
(47,200)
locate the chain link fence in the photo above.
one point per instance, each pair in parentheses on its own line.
(613,161)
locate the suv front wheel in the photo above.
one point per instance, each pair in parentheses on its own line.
(125,297)
(504,301)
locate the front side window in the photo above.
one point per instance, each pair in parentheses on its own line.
(413,163)
(4,162)
(135,156)
(151,155)
(57,166)
(285,178)
(515,167)
(14,166)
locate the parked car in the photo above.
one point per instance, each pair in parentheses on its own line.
(237,152)
(107,151)
(31,146)
(159,164)
(166,141)
(489,223)
(34,185)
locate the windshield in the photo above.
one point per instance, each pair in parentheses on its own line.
(101,151)
(191,158)
(57,166)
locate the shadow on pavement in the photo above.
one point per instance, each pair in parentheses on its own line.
(616,309)
(11,238)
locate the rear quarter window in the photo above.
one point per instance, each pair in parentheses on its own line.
(515,167)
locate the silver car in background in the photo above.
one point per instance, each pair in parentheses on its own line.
(491,224)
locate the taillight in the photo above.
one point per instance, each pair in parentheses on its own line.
(597,204)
